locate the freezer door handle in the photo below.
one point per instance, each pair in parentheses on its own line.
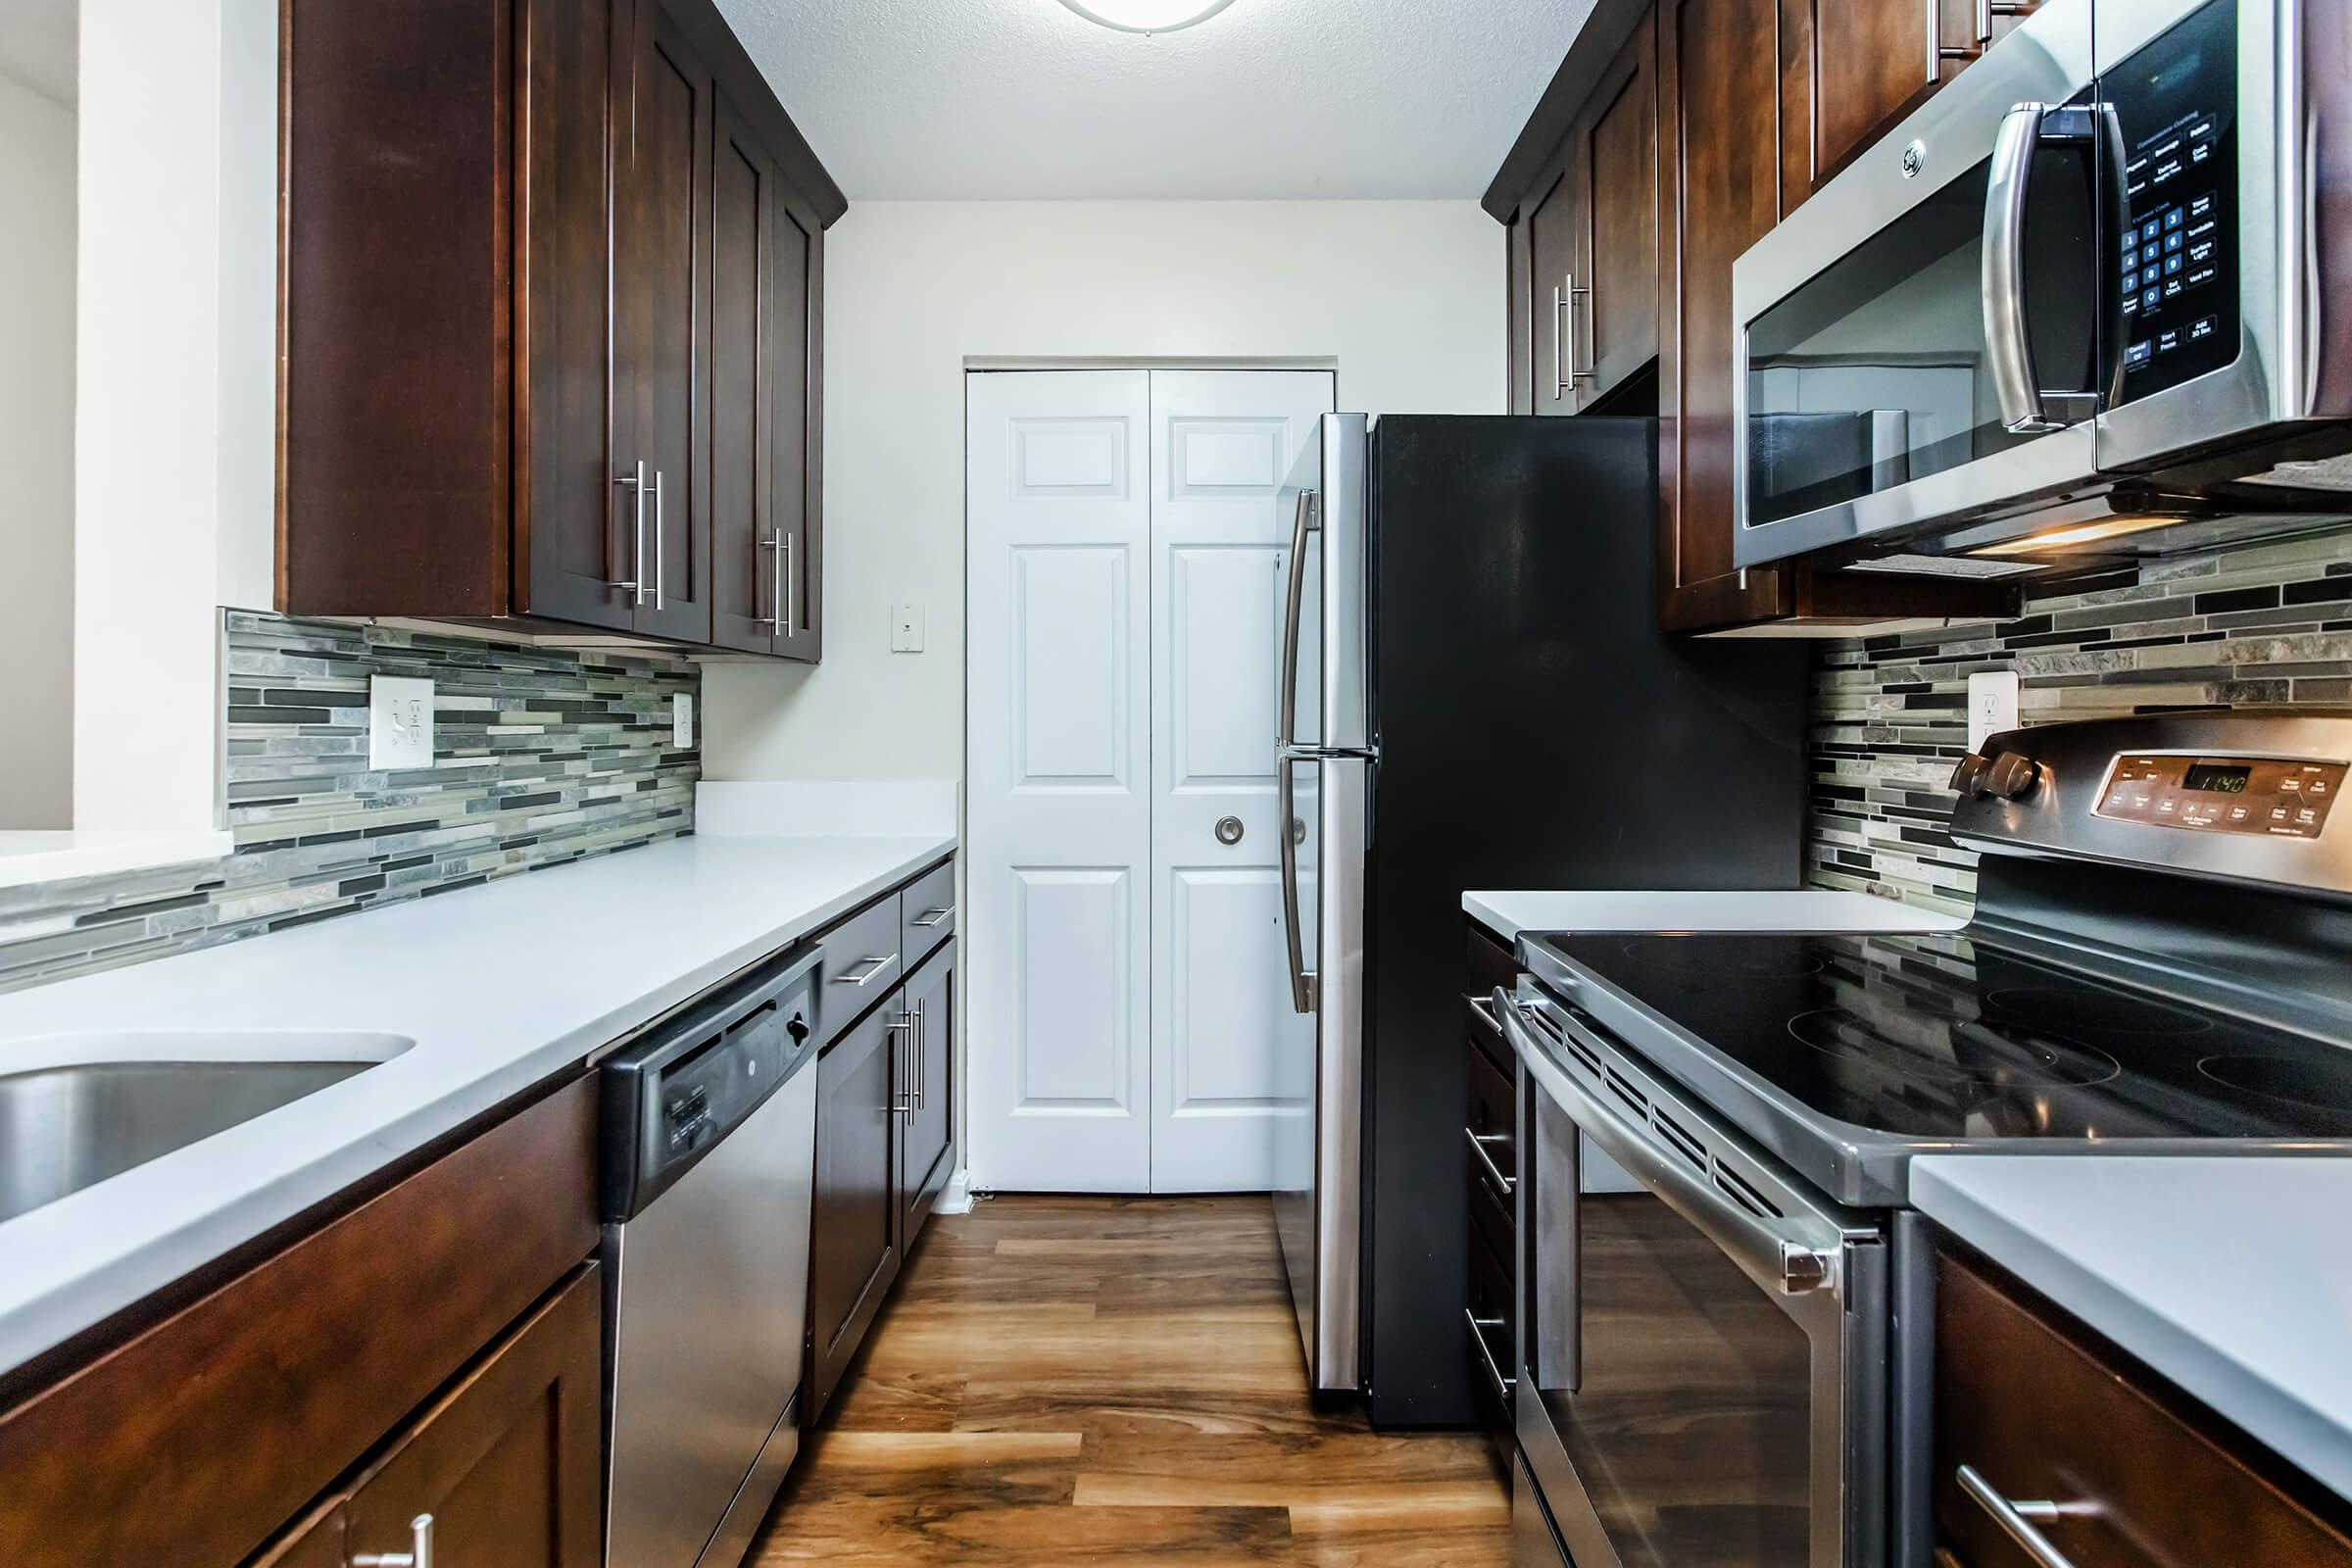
(1303,521)
(1303,979)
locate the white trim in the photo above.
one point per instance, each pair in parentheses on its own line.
(29,857)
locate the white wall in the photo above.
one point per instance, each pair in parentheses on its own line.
(1405,297)
(36,436)
(174,377)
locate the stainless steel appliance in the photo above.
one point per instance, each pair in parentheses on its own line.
(2155,966)
(2094,290)
(709,1150)
(1447,577)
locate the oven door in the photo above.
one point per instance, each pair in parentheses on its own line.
(1922,341)
(1703,1379)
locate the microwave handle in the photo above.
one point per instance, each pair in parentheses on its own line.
(2015,382)
(2027,409)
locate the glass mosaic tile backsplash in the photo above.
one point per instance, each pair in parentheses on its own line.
(2268,625)
(541,757)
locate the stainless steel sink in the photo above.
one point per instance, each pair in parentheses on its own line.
(77,1111)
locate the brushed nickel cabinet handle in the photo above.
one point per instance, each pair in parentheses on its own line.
(634,483)
(873,966)
(661,566)
(1477,1333)
(418,1555)
(934,916)
(1478,1146)
(2017,1518)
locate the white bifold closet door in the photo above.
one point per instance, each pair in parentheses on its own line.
(1130,1004)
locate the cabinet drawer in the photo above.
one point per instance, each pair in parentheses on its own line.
(2038,1412)
(927,913)
(862,960)
(1486,1033)
(1493,1328)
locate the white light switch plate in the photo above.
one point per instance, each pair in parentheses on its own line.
(1992,705)
(906,628)
(681,720)
(399,722)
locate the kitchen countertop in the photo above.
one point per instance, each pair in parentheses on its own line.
(498,987)
(2227,1275)
(1507,913)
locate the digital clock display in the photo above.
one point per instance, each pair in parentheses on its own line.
(2217,778)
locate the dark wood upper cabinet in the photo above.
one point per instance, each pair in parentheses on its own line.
(1851,70)
(1661,151)
(501,319)
(663,271)
(763,337)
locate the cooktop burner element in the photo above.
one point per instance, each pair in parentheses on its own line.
(1948,1037)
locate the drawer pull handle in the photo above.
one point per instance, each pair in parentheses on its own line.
(418,1555)
(1478,1334)
(2018,1518)
(873,967)
(933,916)
(1485,1009)
(1478,1146)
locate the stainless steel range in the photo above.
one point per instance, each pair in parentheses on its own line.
(1719,1266)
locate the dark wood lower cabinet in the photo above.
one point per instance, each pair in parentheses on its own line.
(885,1131)
(2039,1407)
(505,1467)
(853,1220)
(196,1440)
(1489,1145)
(928,1146)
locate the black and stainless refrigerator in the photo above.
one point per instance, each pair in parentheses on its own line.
(1475,694)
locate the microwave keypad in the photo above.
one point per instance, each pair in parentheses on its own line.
(2176,270)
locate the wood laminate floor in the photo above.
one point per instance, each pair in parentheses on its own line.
(1064,1381)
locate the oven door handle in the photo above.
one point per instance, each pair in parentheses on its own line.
(1791,1256)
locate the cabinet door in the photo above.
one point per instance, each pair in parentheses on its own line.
(855,1214)
(1719,84)
(1553,222)
(508,1462)
(746,566)
(315,1542)
(662,282)
(570,549)
(795,335)
(1853,68)
(1615,147)
(925,1160)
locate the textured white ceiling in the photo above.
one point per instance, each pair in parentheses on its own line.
(1008,99)
(38,45)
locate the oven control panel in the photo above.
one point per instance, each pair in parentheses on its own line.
(2280,796)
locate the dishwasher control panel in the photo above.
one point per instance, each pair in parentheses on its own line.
(673,1096)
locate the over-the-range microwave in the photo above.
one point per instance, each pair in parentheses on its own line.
(2093,297)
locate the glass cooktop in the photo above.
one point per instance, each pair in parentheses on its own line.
(1948,1037)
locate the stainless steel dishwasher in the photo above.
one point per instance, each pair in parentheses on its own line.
(707,1159)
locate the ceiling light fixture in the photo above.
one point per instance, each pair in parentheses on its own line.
(1147,16)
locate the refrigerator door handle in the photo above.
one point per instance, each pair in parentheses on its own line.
(1302,980)
(1303,521)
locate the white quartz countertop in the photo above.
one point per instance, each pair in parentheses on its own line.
(2231,1276)
(498,987)
(1507,913)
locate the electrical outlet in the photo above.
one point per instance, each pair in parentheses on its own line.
(681,720)
(906,628)
(1992,705)
(399,722)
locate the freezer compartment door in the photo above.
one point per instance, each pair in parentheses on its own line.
(1323,691)
(1318,1160)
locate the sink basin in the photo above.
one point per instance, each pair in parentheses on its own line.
(76,1109)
